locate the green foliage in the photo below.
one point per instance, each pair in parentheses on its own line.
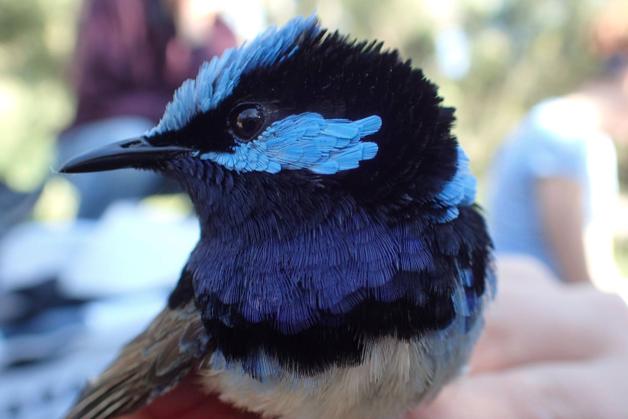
(622,154)
(36,39)
(621,249)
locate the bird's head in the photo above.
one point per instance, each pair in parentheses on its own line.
(300,109)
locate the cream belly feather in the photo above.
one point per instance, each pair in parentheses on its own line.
(394,377)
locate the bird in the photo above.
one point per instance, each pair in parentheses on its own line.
(343,266)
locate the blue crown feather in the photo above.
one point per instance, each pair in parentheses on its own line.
(217,79)
(305,141)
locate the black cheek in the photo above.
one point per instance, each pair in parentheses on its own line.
(204,132)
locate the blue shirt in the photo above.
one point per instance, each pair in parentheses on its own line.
(558,138)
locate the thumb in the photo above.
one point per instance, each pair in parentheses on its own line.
(487,396)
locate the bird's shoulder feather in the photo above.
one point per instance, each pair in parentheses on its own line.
(148,366)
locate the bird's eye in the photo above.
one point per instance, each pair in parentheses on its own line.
(247,121)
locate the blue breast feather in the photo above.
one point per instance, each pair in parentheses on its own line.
(266,369)
(305,141)
(217,78)
(291,281)
(295,280)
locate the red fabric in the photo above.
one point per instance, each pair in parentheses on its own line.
(187,402)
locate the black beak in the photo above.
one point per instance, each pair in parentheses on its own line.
(136,152)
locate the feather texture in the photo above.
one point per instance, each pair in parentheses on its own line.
(394,376)
(217,78)
(147,367)
(305,141)
(342,267)
(458,191)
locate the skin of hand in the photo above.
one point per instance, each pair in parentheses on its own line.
(548,351)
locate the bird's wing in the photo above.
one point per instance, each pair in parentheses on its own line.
(147,367)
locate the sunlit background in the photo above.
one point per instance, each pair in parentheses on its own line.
(493,60)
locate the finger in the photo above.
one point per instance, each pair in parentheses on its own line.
(570,390)
(535,319)
(474,398)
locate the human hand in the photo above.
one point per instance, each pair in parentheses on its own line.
(548,351)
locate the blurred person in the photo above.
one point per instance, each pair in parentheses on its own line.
(554,187)
(128,61)
(538,358)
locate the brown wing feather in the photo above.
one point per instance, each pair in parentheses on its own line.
(148,366)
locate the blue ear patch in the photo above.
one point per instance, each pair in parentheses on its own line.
(304,141)
(459,191)
(217,78)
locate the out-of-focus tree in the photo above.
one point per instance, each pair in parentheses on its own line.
(36,40)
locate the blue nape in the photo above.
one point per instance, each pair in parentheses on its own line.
(459,191)
(305,141)
(217,78)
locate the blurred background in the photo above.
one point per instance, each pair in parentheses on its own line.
(71,276)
